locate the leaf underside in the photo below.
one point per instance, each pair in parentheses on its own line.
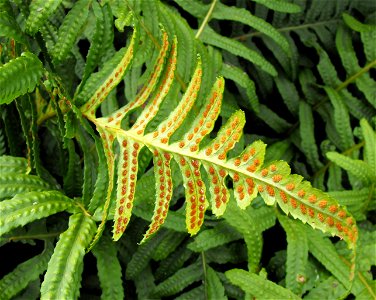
(247,171)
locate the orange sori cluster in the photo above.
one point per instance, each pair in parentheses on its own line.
(195,191)
(153,108)
(181,111)
(128,178)
(220,191)
(146,90)
(164,194)
(206,121)
(334,216)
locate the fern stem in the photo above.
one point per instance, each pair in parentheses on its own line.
(286,29)
(206,20)
(205,275)
(352,78)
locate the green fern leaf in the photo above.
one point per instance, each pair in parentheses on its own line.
(258,286)
(251,223)
(359,168)
(323,250)
(173,263)
(308,143)
(63,276)
(297,254)
(12,164)
(273,120)
(96,43)
(168,245)
(106,79)
(10,29)
(13,85)
(13,184)
(141,257)
(224,12)
(215,286)
(280,5)
(40,11)
(350,61)
(70,29)
(195,293)
(14,282)
(341,119)
(181,279)
(209,36)
(240,77)
(370,144)
(367,34)
(109,269)
(27,207)
(210,238)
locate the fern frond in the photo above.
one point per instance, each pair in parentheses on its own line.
(143,254)
(209,36)
(14,282)
(12,84)
(27,207)
(280,5)
(359,168)
(369,136)
(12,164)
(181,279)
(210,238)
(249,174)
(63,276)
(341,119)
(350,61)
(297,254)
(241,78)
(40,11)
(106,79)
(13,184)
(309,146)
(215,286)
(9,27)
(109,269)
(258,286)
(323,250)
(70,29)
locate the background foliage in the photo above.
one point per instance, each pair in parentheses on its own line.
(303,72)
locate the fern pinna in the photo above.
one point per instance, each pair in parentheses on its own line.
(206,169)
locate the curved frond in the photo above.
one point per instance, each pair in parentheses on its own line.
(27,207)
(63,276)
(13,184)
(109,269)
(215,286)
(40,11)
(12,164)
(12,84)
(14,282)
(258,286)
(297,254)
(70,29)
(181,279)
